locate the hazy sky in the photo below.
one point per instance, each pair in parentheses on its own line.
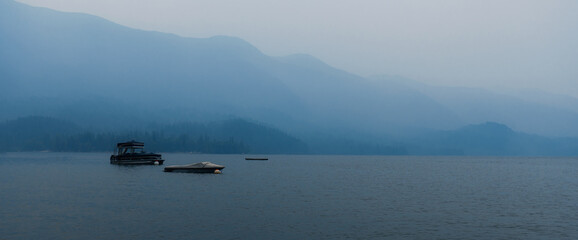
(487,43)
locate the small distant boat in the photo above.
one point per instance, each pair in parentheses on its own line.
(253,158)
(201,167)
(133,153)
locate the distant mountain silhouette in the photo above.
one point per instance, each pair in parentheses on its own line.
(69,62)
(491,139)
(107,77)
(474,105)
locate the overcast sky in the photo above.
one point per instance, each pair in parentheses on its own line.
(481,43)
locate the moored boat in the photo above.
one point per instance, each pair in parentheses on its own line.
(133,153)
(201,167)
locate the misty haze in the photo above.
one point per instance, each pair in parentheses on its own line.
(102,78)
(198,79)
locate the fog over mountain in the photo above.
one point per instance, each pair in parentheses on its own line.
(104,76)
(492,44)
(532,112)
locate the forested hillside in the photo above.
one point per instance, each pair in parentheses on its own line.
(231,136)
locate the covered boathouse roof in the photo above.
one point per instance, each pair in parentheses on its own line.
(132,143)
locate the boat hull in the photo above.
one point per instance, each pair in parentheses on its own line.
(137,162)
(150,159)
(202,167)
(192,170)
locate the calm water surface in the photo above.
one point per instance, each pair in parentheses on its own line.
(82,196)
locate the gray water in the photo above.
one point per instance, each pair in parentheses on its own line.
(82,196)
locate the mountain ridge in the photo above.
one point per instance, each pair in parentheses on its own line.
(109,77)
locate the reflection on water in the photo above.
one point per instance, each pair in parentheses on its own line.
(82,196)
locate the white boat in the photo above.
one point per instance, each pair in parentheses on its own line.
(201,167)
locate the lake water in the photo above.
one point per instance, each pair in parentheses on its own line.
(82,196)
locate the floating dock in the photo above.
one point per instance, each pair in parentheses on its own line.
(260,159)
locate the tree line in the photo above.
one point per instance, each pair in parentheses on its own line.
(50,134)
